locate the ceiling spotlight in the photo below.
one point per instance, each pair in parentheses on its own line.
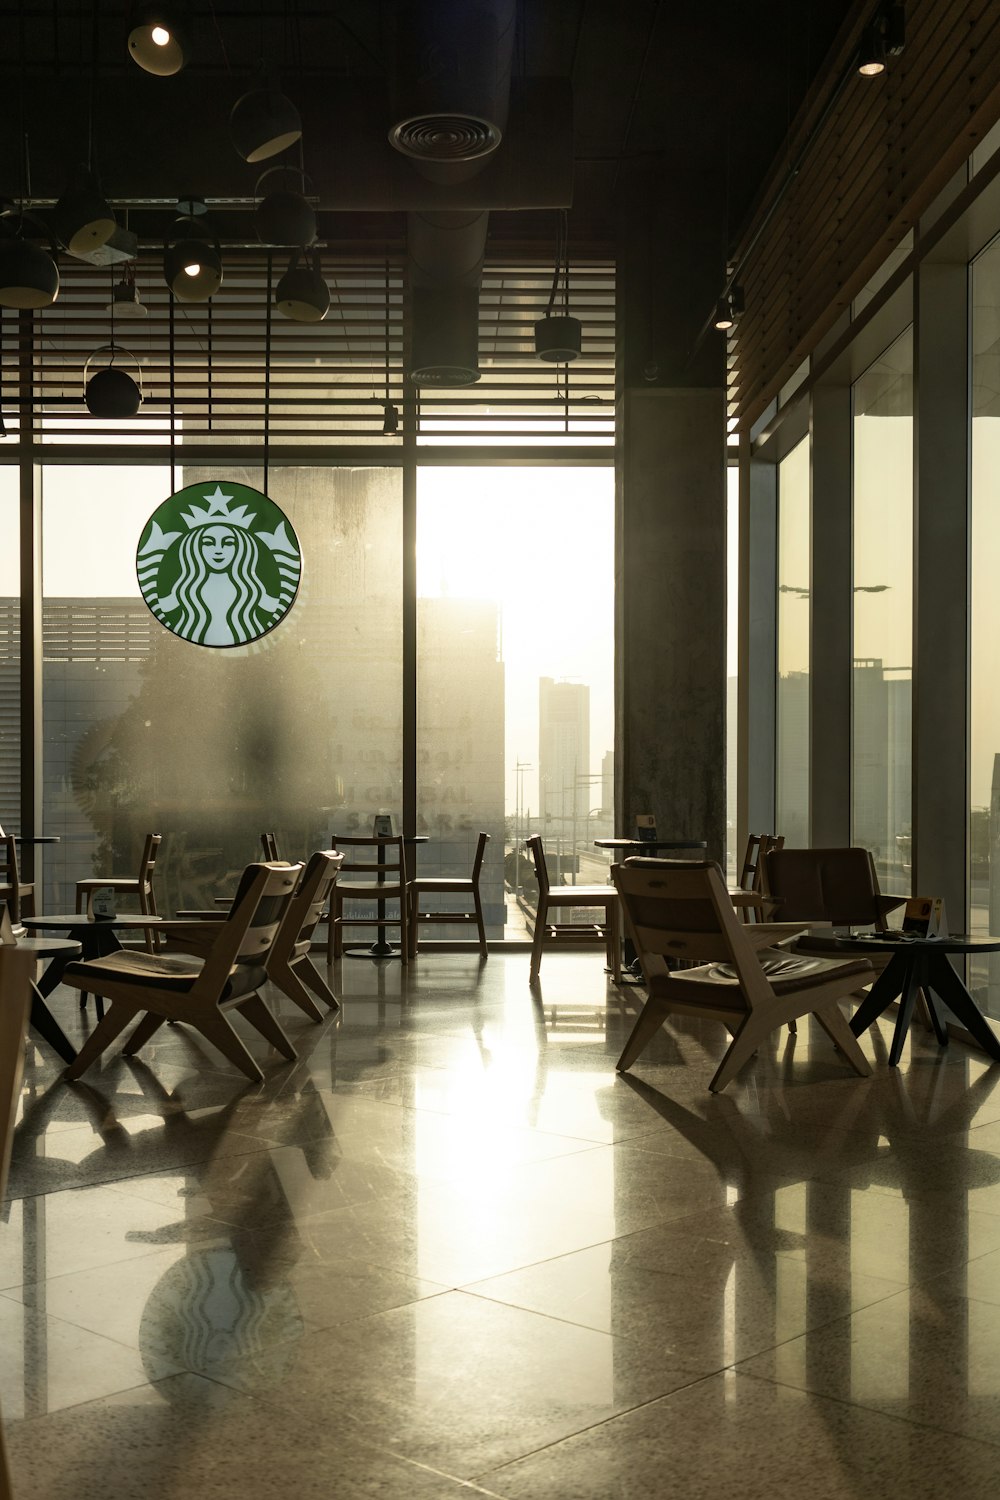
(723,318)
(83,219)
(154,41)
(559,339)
(302,294)
(125,297)
(390,419)
(192,263)
(883,37)
(871,55)
(29,276)
(111,392)
(263,123)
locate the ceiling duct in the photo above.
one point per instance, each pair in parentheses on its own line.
(451,76)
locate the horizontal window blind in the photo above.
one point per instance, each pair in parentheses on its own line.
(224,373)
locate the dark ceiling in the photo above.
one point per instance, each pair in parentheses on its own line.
(691,101)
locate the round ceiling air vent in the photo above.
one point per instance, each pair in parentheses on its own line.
(443,137)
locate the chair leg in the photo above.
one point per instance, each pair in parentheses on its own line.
(260,1017)
(146,1028)
(413,902)
(307,970)
(289,983)
(744,1044)
(115,1022)
(651,1018)
(216,1029)
(538,939)
(613,917)
(404,928)
(834,1023)
(480,922)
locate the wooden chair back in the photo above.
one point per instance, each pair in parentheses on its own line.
(477,863)
(753,870)
(269,845)
(537,852)
(830,885)
(306,908)
(250,927)
(10,878)
(380,857)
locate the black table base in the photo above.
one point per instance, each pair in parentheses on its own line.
(915,968)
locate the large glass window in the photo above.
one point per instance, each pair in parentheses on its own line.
(883,612)
(984,769)
(515,652)
(10,652)
(299,733)
(791,800)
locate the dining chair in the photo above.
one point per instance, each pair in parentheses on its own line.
(18,895)
(383,861)
(288,965)
(197,990)
(17,970)
(140,884)
(561,897)
(680,910)
(269,845)
(439,885)
(753,875)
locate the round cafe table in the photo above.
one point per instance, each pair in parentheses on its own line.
(917,963)
(58,951)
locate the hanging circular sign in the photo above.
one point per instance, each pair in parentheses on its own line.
(218,564)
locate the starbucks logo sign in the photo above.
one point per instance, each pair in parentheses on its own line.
(219,565)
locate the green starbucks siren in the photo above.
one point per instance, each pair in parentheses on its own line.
(219,566)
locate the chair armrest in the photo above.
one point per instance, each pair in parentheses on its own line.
(768,934)
(887,904)
(201,916)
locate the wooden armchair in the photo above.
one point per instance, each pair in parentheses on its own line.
(436,885)
(829,885)
(140,884)
(560,897)
(679,910)
(197,990)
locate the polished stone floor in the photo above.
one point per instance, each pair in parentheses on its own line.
(449,1252)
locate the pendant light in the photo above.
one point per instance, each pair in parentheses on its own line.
(302,294)
(29,277)
(154,41)
(284,217)
(111,392)
(83,219)
(559,338)
(125,301)
(192,261)
(263,123)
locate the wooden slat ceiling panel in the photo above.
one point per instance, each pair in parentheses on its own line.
(326,381)
(885,151)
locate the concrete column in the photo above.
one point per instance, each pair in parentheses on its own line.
(830,618)
(941,585)
(757,645)
(670,646)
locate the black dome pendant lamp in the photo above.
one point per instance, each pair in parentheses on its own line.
(559,336)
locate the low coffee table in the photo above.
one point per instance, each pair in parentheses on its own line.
(917,963)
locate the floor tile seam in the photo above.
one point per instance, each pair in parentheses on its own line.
(81,1328)
(615,1416)
(875,1411)
(104,1265)
(50,1416)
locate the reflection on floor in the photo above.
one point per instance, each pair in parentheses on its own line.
(449,1252)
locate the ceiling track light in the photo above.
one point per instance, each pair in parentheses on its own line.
(83,219)
(302,294)
(263,123)
(111,392)
(882,38)
(29,276)
(390,419)
(125,301)
(728,308)
(155,42)
(192,261)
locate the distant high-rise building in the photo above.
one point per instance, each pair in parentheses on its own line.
(564,794)
(608,784)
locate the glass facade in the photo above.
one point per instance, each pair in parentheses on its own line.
(10,651)
(791,789)
(299,733)
(883,612)
(515,714)
(984,747)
